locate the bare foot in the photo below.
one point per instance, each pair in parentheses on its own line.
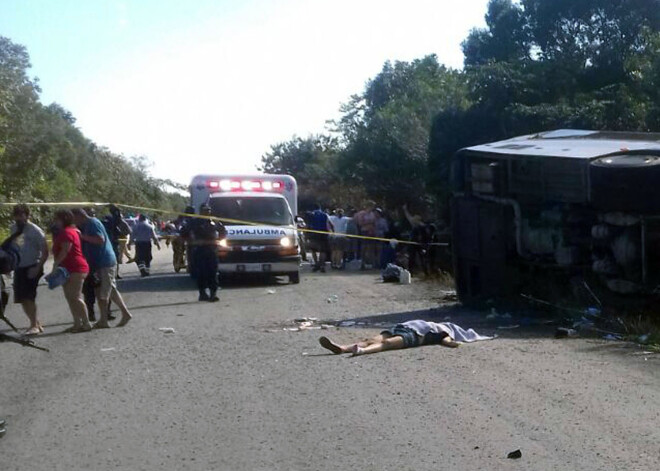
(330,345)
(100,325)
(125,317)
(33,331)
(356,351)
(85,327)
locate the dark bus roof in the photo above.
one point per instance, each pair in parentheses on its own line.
(573,143)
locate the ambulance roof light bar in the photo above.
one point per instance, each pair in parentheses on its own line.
(244,185)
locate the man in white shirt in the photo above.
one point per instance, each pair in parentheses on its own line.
(338,241)
(33,252)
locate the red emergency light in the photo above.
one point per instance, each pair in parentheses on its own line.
(244,185)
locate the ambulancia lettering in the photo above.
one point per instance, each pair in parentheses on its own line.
(272,232)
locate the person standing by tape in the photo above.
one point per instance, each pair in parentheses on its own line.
(32,248)
(203,235)
(142,236)
(319,241)
(118,230)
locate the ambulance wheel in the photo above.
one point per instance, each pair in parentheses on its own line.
(294,278)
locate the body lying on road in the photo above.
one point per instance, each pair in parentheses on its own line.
(406,335)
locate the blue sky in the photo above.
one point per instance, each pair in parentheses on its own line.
(207,86)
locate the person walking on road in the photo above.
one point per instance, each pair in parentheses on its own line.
(118,230)
(67,252)
(142,236)
(30,241)
(407,335)
(203,235)
(100,255)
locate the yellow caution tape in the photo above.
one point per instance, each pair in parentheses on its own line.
(77,204)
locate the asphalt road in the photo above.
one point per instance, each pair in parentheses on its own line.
(232,390)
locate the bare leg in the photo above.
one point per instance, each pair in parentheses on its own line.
(119,301)
(73,294)
(337,348)
(30,309)
(392,343)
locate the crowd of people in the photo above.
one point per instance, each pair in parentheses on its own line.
(86,252)
(328,235)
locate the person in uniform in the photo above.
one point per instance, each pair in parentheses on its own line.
(203,235)
(179,255)
(142,236)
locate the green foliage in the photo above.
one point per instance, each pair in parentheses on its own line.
(385,130)
(545,64)
(314,163)
(538,65)
(44,157)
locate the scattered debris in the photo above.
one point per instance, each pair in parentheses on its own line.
(448,295)
(167,330)
(346,323)
(394,273)
(514,455)
(612,337)
(564,332)
(584,324)
(508,327)
(108,349)
(271,291)
(332,299)
(305,323)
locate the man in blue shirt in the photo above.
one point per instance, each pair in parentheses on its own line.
(97,248)
(318,242)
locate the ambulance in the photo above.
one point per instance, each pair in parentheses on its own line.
(258,212)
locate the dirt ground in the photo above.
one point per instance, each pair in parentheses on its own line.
(232,390)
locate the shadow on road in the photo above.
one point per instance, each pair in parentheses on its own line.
(538,325)
(156,283)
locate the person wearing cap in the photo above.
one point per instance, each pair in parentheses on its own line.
(203,234)
(142,236)
(30,242)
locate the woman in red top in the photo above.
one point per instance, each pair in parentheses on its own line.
(67,251)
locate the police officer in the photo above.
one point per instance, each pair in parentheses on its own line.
(203,236)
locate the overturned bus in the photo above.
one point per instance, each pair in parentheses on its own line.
(566,207)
